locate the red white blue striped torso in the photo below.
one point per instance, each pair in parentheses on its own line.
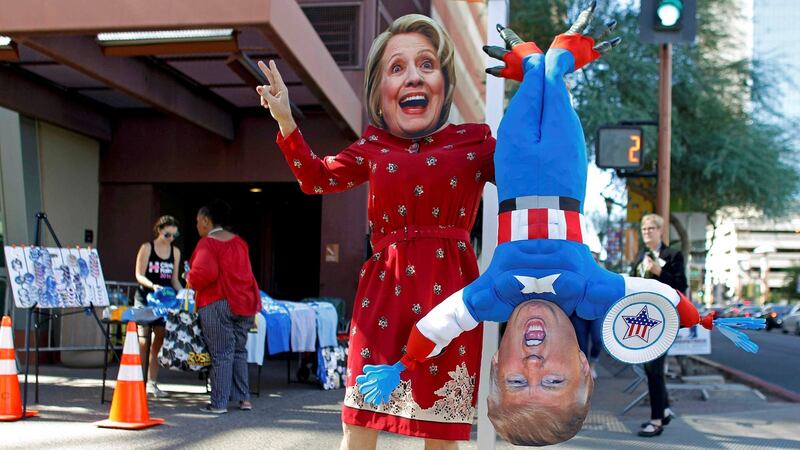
(540,217)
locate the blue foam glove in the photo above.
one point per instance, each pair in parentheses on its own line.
(747,323)
(378,382)
(737,337)
(727,327)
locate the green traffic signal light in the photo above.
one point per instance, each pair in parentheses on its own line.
(668,21)
(668,15)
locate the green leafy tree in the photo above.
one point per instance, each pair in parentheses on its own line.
(729,147)
(789,289)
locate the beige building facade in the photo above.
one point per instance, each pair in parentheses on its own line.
(748,256)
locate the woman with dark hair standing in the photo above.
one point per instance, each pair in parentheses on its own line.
(227,298)
(157,266)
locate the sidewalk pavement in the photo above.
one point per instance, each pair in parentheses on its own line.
(302,416)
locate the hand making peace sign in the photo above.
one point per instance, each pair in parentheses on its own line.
(275,97)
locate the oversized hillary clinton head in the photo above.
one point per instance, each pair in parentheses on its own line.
(410,77)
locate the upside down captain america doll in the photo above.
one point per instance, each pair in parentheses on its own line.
(541,271)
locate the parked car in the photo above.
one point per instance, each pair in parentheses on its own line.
(752,311)
(743,311)
(774,314)
(731,311)
(791,320)
(718,310)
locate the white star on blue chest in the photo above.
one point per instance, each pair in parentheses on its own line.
(640,325)
(533,285)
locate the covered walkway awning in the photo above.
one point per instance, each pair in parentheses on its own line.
(61,60)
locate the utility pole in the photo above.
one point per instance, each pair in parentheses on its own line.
(497,12)
(666,22)
(664,134)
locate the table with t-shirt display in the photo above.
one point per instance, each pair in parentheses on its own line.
(293,328)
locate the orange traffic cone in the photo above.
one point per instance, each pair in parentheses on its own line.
(10,400)
(129,405)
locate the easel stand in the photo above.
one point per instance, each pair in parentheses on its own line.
(43,317)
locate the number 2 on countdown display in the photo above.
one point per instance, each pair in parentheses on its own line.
(633,150)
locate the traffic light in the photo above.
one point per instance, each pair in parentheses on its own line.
(667,21)
(619,147)
(668,15)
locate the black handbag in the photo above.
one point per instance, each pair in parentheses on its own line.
(184,348)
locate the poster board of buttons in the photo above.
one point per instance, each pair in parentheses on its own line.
(52,277)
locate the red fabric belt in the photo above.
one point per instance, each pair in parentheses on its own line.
(413,232)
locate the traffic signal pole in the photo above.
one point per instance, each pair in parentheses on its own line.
(666,22)
(664,134)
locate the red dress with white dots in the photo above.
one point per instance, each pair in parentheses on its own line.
(423,200)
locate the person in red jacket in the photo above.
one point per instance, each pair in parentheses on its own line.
(227,298)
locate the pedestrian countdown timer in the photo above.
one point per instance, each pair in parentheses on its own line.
(619,147)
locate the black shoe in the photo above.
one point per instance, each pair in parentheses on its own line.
(208,409)
(651,430)
(664,421)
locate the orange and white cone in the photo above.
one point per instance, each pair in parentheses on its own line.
(129,405)
(10,400)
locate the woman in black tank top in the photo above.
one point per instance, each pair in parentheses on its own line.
(157,267)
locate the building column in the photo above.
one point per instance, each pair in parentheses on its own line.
(19,165)
(20,196)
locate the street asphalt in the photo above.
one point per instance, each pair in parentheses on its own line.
(777,360)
